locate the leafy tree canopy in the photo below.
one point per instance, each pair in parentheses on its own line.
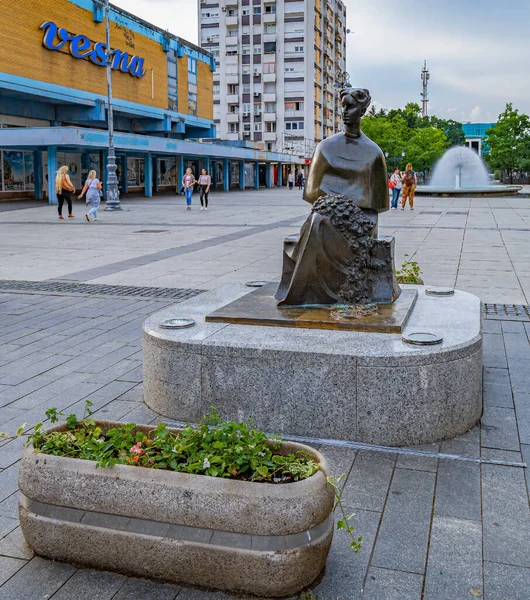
(508,141)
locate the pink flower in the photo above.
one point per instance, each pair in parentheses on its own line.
(136,449)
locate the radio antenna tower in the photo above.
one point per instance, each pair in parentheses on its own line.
(425,76)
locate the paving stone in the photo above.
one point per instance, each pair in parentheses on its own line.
(419,463)
(403,536)
(525,450)
(491,326)
(517,346)
(520,375)
(87,584)
(14,545)
(140,414)
(505,582)
(344,567)
(9,506)
(8,481)
(367,485)
(454,567)
(499,428)
(496,376)
(340,460)
(136,375)
(36,580)
(522,413)
(458,490)
(504,455)
(506,515)
(115,411)
(8,567)
(386,584)
(139,589)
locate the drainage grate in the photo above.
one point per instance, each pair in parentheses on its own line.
(457,212)
(89,289)
(430,212)
(507,312)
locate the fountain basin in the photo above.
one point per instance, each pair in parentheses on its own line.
(491,190)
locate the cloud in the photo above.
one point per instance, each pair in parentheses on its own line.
(475,114)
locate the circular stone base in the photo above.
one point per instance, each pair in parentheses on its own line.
(368,387)
(492,190)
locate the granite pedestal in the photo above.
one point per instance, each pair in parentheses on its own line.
(369,387)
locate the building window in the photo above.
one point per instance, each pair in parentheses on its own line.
(167,171)
(289,105)
(269,47)
(233,109)
(257,49)
(246,88)
(294,125)
(270,8)
(257,108)
(246,109)
(257,126)
(233,32)
(172,97)
(16,171)
(192,86)
(135,172)
(233,88)
(233,127)
(231,12)
(257,10)
(270,28)
(270,107)
(246,126)
(270,127)
(269,68)
(246,49)
(245,12)
(216,89)
(246,69)
(298,48)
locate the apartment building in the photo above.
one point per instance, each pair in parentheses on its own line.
(277,64)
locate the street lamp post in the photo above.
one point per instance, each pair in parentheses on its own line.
(113,194)
(395,157)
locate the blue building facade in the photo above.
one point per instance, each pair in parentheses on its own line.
(53,105)
(475,135)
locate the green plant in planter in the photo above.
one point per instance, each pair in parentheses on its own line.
(410,272)
(214,448)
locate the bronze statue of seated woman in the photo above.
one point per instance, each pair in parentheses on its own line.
(339,259)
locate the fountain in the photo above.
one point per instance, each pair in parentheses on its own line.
(462,172)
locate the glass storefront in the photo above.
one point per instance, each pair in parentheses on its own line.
(16,171)
(167,171)
(135,172)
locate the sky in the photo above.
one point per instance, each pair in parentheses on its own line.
(477,51)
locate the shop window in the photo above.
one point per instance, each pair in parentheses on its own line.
(16,171)
(167,171)
(135,172)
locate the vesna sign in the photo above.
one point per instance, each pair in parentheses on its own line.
(80,46)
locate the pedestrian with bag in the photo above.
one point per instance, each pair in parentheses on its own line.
(188,181)
(64,189)
(397,184)
(300,180)
(410,181)
(205,181)
(92,189)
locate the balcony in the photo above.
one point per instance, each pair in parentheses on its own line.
(294,113)
(231,21)
(269,37)
(269,17)
(232,98)
(232,78)
(232,136)
(270,117)
(230,3)
(269,77)
(269,136)
(232,117)
(232,40)
(269,97)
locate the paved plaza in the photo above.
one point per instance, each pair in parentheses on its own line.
(433,529)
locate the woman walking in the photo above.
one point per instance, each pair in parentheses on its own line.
(205,181)
(396,190)
(92,189)
(410,181)
(291,180)
(64,189)
(188,181)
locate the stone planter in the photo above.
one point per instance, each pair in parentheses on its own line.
(258,538)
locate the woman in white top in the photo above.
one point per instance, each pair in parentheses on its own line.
(396,190)
(291,180)
(205,181)
(92,189)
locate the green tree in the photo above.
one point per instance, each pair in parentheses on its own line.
(425,147)
(452,129)
(508,142)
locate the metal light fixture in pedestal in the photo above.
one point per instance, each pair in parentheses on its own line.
(113,194)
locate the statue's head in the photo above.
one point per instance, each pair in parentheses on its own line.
(354,103)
